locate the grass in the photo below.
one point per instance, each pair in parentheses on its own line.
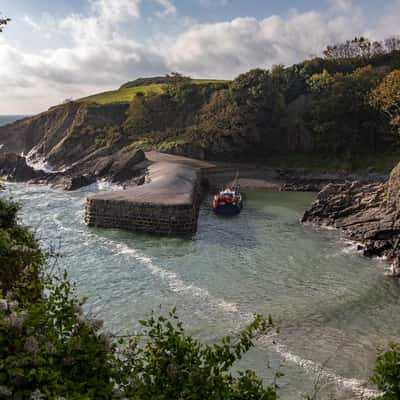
(126,95)
(122,95)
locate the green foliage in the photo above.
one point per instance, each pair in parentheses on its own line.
(48,346)
(168,364)
(386,97)
(387,373)
(260,91)
(20,255)
(107,136)
(340,116)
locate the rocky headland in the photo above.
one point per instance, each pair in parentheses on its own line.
(368,214)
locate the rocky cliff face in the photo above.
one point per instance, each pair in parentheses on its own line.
(66,138)
(369,214)
(63,134)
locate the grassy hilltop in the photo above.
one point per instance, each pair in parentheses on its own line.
(126,94)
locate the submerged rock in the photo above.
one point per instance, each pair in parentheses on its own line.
(369,214)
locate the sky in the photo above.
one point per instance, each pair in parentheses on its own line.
(58,49)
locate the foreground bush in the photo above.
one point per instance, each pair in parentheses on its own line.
(387,373)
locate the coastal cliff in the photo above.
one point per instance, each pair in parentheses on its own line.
(368,214)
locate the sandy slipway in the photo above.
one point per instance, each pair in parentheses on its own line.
(368,214)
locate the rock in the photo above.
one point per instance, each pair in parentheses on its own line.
(123,165)
(394,188)
(369,214)
(76,182)
(15,168)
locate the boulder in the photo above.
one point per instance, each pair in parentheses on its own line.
(15,168)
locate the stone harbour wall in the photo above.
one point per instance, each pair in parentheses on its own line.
(169,205)
(144,217)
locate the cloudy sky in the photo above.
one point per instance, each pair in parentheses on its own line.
(58,49)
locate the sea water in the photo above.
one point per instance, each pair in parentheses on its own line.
(335,308)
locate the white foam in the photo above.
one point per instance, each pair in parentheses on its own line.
(104,186)
(357,386)
(175,283)
(352,247)
(39,163)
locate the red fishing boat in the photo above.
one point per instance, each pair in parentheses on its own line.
(228,201)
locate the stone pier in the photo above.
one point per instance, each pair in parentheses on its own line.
(168,204)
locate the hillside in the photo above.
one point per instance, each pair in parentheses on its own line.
(325,113)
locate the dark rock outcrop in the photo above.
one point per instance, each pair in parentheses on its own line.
(369,214)
(128,167)
(14,167)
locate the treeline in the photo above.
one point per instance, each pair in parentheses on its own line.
(361,47)
(335,104)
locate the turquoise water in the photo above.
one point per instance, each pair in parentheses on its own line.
(335,308)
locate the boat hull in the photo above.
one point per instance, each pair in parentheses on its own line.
(228,209)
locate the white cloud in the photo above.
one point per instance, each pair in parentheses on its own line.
(97,54)
(342,5)
(213,3)
(228,48)
(169,9)
(34,25)
(117,10)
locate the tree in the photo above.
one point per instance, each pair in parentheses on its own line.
(339,115)
(386,97)
(4,21)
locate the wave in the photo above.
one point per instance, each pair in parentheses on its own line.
(175,283)
(357,386)
(102,186)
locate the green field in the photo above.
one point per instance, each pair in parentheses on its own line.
(126,95)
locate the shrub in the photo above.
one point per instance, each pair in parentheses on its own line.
(387,373)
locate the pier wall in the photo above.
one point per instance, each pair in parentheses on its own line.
(168,205)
